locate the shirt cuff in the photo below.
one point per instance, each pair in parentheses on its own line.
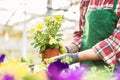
(78,43)
(105,51)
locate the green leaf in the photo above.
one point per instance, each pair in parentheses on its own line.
(59,39)
(42,48)
(36,45)
(59,35)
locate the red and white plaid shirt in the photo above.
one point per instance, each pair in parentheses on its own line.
(108,49)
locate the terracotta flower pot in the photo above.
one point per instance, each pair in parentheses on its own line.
(50,52)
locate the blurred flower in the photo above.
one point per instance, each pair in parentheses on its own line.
(73,74)
(31,31)
(58,18)
(61,71)
(55,68)
(8,77)
(42,74)
(39,26)
(14,67)
(2,57)
(117,72)
(47,19)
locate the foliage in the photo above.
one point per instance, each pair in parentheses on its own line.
(47,34)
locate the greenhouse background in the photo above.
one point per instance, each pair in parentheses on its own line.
(17,17)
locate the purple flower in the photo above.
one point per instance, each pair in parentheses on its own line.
(8,77)
(55,68)
(61,71)
(73,74)
(117,72)
(2,56)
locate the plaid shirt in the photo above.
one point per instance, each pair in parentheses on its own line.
(108,49)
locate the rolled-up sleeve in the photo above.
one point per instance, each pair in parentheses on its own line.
(77,37)
(109,49)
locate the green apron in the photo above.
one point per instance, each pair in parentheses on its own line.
(99,25)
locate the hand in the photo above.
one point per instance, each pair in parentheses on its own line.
(74,57)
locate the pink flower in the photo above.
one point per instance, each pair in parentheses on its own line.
(8,77)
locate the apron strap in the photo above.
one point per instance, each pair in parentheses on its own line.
(114,6)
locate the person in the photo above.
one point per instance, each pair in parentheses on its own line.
(97,39)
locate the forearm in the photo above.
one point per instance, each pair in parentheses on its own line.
(88,55)
(80,56)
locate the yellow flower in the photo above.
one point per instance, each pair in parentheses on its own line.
(39,26)
(47,19)
(43,75)
(31,30)
(14,67)
(52,40)
(58,18)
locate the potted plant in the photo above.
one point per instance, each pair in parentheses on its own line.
(47,36)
